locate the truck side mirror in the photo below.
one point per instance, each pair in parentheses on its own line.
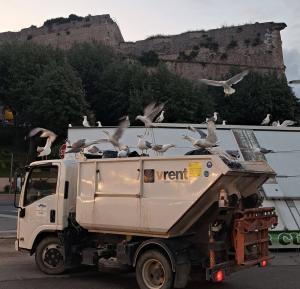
(22,212)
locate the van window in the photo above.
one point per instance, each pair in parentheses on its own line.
(41,182)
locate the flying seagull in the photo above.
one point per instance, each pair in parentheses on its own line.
(263,150)
(227,84)
(114,139)
(266,120)
(206,140)
(162,148)
(44,133)
(161,117)
(150,112)
(85,122)
(46,150)
(81,144)
(297,81)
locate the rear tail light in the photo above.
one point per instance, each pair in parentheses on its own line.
(219,276)
(263,263)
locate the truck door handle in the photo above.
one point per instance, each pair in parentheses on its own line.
(52,216)
(41,206)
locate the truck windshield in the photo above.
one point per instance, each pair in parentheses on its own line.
(41,182)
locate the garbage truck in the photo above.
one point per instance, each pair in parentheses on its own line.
(171,219)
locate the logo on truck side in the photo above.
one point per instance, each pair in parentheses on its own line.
(194,170)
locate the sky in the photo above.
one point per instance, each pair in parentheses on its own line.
(139,19)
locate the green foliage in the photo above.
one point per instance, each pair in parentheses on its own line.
(149,58)
(187,57)
(62,20)
(232,44)
(50,88)
(57,98)
(209,43)
(256,96)
(24,78)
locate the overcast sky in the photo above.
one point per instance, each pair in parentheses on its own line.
(139,19)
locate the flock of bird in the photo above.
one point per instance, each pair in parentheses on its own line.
(154,114)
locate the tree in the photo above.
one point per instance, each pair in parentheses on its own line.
(256,95)
(20,65)
(57,99)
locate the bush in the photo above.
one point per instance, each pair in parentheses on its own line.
(149,58)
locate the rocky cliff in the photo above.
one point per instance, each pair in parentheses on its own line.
(194,55)
(64,32)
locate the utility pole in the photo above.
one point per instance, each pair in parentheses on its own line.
(11,172)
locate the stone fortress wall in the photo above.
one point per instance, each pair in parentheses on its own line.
(194,55)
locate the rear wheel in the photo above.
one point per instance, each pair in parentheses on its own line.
(153,271)
(50,256)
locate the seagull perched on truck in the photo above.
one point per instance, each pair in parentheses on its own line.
(227,84)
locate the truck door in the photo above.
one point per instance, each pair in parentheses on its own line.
(39,203)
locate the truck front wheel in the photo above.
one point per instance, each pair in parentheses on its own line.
(153,271)
(50,256)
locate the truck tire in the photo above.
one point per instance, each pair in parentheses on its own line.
(153,271)
(50,256)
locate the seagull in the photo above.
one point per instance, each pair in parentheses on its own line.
(46,150)
(99,124)
(224,122)
(294,81)
(44,133)
(191,128)
(215,116)
(85,122)
(224,155)
(234,153)
(70,125)
(150,112)
(263,150)
(276,123)
(266,121)
(161,117)
(162,148)
(94,150)
(228,90)
(286,123)
(143,144)
(207,140)
(81,144)
(123,152)
(115,137)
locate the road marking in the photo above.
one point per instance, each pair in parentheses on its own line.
(8,216)
(8,231)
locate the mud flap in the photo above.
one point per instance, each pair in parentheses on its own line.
(182,275)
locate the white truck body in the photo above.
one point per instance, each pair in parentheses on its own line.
(162,202)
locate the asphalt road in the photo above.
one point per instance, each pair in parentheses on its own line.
(8,216)
(17,270)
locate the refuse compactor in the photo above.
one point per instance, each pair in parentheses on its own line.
(172,219)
